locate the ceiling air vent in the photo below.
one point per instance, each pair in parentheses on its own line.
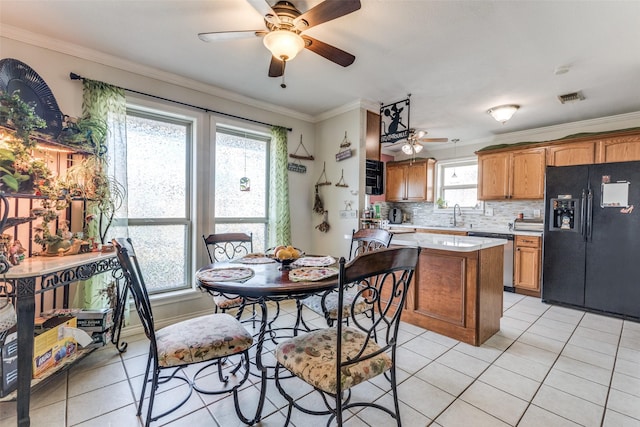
(570,97)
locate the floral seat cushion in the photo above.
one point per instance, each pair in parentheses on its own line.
(226,302)
(312,357)
(201,339)
(331,303)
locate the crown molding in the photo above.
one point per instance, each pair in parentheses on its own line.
(620,121)
(71,49)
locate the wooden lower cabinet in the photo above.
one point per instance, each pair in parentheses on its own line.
(527,265)
(457,294)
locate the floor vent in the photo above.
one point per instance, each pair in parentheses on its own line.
(570,97)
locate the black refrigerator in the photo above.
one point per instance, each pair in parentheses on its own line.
(591,245)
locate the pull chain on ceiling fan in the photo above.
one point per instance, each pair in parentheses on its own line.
(285,25)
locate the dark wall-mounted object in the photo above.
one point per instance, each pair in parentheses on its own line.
(18,76)
(374,172)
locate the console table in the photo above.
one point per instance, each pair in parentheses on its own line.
(50,273)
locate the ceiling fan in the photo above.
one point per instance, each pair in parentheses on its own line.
(412,145)
(285,25)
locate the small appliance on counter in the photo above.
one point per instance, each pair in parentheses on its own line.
(528,224)
(395,216)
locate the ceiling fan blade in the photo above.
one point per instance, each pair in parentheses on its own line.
(332,53)
(230,35)
(433,139)
(265,10)
(325,11)
(276,68)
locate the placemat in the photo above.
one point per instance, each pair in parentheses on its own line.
(232,274)
(312,274)
(314,261)
(255,259)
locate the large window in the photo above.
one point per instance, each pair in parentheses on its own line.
(457,182)
(241,184)
(158,177)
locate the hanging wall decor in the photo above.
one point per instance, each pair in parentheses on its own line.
(324,225)
(245,182)
(394,121)
(317,204)
(345,152)
(341,182)
(299,167)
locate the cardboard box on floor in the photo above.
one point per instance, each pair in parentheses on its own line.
(54,345)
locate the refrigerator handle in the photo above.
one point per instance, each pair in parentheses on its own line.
(589,212)
(583,215)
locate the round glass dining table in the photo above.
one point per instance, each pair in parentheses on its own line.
(269,282)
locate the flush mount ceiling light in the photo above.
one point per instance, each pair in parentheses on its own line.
(283,44)
(503,113)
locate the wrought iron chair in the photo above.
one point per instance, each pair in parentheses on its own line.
(335,359)
(224,247)
(362,241)
(211,338)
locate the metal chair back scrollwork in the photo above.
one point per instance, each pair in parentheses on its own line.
(333,360)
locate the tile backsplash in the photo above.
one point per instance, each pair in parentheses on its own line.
(504,212)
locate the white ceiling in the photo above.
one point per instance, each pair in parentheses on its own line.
(456,58)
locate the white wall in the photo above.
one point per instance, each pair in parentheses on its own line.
(329,134)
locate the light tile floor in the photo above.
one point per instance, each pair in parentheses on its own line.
(548,366)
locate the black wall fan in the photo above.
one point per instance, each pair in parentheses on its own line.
(285,25)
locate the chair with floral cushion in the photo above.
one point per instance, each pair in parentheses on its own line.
(225,247)
(333,360)
(208,339)
(362,241)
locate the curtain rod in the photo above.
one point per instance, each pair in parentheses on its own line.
(74,76)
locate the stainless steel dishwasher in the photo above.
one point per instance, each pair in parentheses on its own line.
(508,256)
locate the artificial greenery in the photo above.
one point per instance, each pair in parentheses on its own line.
(19,115)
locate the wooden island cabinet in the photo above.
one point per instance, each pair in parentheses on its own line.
(457,288)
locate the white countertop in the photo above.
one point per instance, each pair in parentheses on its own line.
(504,230)
(40,265)
(446,242)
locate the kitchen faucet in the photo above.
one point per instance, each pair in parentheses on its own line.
(454,213)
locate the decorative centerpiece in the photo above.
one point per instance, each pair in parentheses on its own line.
(285,255)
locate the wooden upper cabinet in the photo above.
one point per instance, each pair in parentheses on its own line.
(395,183)
(511,175)
(493,176)
(578,153)
(410,181)
(618,149)
(527,174)
(372,140)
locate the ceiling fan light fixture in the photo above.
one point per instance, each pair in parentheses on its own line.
(409,148)
(502,113)
(283,44)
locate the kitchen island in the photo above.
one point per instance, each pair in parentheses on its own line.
(457,287)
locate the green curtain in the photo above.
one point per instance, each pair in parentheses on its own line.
(279,215)
(105,103)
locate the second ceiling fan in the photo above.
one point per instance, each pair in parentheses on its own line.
(285,25)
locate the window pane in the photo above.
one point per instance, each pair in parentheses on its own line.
(161,254)
(258,230)
(465,197)
(158,191)
(464,175)
(238,157)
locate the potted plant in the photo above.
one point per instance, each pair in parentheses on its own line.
(19,172)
